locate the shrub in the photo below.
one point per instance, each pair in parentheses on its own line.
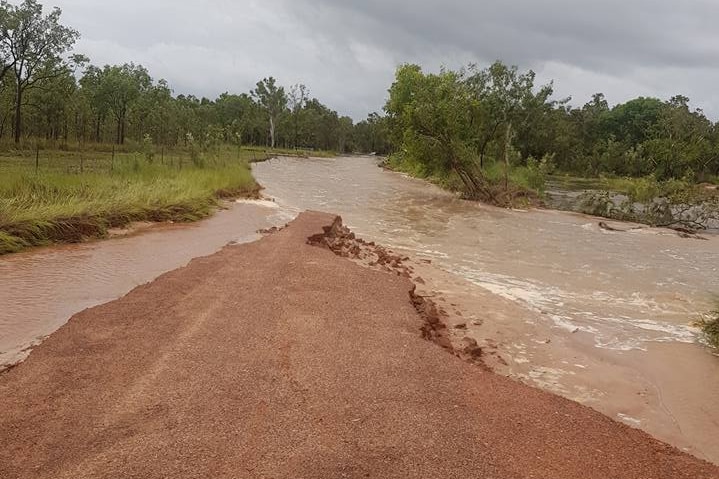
(710,327)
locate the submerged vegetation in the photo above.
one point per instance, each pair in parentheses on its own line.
(710,327)
(459,128)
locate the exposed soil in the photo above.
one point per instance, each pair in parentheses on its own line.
(278,359)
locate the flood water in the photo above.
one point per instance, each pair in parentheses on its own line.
(627,289)
(41,289)
(619,307)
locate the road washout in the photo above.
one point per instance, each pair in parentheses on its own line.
(279,359)
(482,327)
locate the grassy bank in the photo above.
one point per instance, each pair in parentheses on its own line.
(70,196)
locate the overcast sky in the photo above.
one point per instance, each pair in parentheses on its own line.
(346,51)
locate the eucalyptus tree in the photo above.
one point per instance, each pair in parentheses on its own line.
(273,100)
(48,109)
(91,84)
(7,61)
(432,119)
(297,98)
(150,115)
(38,46)
(504,101)
(120,87)
(370,135)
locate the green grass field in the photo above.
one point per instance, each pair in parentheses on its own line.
(62,196)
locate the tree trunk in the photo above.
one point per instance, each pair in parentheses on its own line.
(507,142)
(272,132)
(18,113)
(98,123)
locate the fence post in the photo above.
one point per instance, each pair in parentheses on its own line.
(37,158)
(112,159)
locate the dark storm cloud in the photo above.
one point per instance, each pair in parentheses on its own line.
(346,51)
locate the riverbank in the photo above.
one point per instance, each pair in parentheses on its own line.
(185,377)
(521,187)
(56,205)
(55,197)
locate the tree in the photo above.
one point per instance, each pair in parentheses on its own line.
(37,44)
(120,88)
(7,61)
(371,135)
(273,100)
(431,117)
(504,99)
(92,89)
(297,99)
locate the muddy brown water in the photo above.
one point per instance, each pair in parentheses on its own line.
(42,288)
(601,317)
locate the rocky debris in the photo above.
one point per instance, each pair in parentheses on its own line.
(269,231)
(471,348)
(343,242)
(434,328)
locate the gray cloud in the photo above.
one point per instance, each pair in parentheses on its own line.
(346,51)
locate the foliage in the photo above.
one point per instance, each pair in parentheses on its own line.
(34,46)
(710,327)
(446,125)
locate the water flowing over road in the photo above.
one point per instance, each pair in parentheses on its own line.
(618,306)
(42,288)
(628,289)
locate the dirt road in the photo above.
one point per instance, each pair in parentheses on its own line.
(279,359)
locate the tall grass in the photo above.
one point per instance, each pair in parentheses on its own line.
(71,197)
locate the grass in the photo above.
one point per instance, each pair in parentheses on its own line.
(710,327)
(76,195)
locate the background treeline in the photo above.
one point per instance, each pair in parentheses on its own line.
(472,118)
(48,92)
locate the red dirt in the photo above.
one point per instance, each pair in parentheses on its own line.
(279,359)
